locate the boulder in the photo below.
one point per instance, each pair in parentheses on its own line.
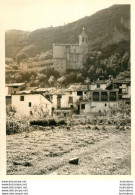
(74,161)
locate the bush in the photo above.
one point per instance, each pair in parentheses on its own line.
(49,122)
(39,122)
(52,122)
(14,126)
(62,122)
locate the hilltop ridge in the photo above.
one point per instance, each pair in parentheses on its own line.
(104,28)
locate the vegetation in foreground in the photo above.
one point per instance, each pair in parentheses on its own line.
(102,144)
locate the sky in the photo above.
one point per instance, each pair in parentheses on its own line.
(30,15)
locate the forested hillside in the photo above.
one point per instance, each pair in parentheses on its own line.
(109,49)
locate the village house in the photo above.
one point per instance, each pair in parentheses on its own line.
(70,56)
(95,98)
(65,101)
(101,101)
(124,88)
(100,84)
(31,103)
(12,88)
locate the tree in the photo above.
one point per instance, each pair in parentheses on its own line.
(99,71)
(20,57)
(51,80)
(8,61)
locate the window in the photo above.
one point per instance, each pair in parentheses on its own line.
(29,104)
(70,99)
(83,106)
(112,96)
(124,91)
(95,96)
(115,86)
(21,98)
(104,96)
(31,113)
(15,87)
(82,39)
(71,106)
(85,92)
(79,93)
(59,96)
(59,103)
(98,85)
(70,92)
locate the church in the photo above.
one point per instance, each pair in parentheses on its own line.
(70,56)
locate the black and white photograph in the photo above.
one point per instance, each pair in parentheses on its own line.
(68,87)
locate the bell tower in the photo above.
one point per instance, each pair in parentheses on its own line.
(83,39)
(83,44)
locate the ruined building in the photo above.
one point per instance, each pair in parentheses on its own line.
(70,56)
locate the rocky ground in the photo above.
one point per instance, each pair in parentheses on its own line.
(101,149)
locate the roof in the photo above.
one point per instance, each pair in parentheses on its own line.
(104,90)
(49,90)
(83,32)
(33,93)
(100,82)
(14,84)
(121,81)
(26,92)
(60,92)
(77,88)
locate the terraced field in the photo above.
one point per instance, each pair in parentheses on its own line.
(102,150)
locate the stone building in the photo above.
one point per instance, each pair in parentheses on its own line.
(70,56)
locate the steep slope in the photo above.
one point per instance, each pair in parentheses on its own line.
(104,28)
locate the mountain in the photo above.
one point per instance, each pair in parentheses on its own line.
(107,27)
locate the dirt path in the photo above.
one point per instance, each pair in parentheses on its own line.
(100,152)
